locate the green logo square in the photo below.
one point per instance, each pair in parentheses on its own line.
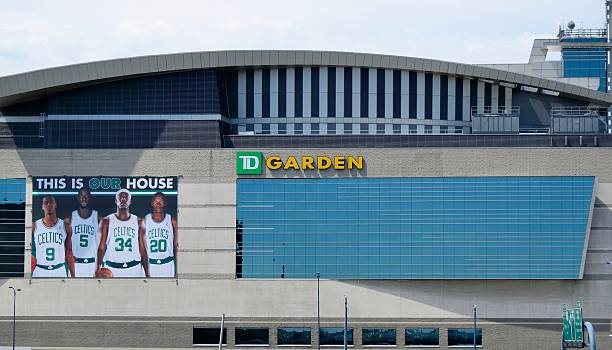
(249,163)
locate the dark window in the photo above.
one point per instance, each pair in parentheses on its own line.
(188,92)
(12,226)
(428,95)
(314,129)
(501,97)
(252,336)
(208,336)
(364,128)
(293,336)
(314,92)
(299,91)
(397,129)
(412,95)
(331,92)
(378,336)
(331,128)
(380,128)
(444,97)
(487,96)
(380,93)
(464,337)
(443,129)
(250,94)
(412,129)
(364,93)
(348,92)
(397,94)
(348,128)
(458,98)
(428,129)
(422,337)
(282,92)
(265,93)
(250,127)
(473,93)
(335,336)
(265,129)
(298,129)
(282,128)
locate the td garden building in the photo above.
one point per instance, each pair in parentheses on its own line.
(180,188)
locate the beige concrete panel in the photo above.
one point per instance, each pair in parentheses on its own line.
(207,263)
(600,239)
(207,239)
(602,218)
(192,194)
(208,217)
(604,193)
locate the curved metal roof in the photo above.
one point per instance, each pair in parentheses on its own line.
(31,85)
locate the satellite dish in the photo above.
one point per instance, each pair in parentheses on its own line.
(571,25)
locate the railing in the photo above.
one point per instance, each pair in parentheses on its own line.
(492,111)
(579,119)
(582,33)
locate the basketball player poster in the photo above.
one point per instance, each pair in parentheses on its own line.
(104,227)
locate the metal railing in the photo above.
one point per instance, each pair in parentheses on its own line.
(493,111)
(582,33)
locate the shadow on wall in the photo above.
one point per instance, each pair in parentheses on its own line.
(536,108)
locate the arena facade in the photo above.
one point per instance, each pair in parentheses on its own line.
(416,188)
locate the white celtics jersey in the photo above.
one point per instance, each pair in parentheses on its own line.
(160,237)
(122,241)
(49,243)
(85,235)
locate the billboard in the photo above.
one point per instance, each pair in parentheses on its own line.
(104,227)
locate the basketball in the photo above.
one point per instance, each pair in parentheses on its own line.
(105,273)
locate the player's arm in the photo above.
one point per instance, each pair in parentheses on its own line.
(144,258)
(69,255)
(102,245)
(33,246)
(175,230)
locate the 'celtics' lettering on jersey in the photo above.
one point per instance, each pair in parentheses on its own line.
(48,243)
(85,235)
(122,241)
(160,237)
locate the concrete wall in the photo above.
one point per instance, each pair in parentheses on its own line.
(161,313)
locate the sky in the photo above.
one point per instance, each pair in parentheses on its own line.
(48,33)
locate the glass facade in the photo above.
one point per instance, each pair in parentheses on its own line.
(413,228)
(335,336)
(464,337)
(588,62)
(378,336)
(293,336)
(208,336)
(190,92)
(419,337)
(252,336)
(12,227)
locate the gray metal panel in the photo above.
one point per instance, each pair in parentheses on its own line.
(56,77)
(256,59)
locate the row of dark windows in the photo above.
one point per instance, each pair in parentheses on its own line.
(330,336)
(12,226)
(364,93)
(363,129)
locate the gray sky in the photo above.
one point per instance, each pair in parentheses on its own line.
(40,34)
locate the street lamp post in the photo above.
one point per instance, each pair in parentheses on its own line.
(14,300)
(318,314)
(475,326)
